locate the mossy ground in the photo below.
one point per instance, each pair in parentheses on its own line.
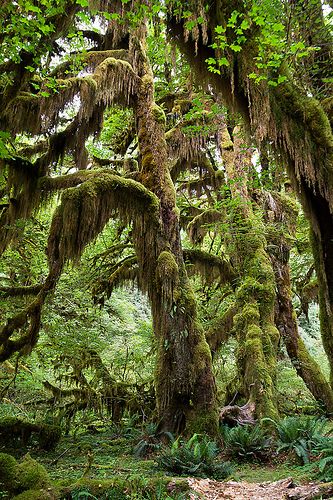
(258,473)
(117,473)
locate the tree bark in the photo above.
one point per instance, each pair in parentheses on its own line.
(283,215)
(185,386)
(255,295)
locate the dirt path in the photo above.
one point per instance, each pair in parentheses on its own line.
(279,490)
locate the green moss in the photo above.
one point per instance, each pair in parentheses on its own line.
(115,63)
(226,142)
(170,133)
(158,114)
(308,109)
(8,472)
(167,265)
(271,337)
(201,355)
(147,160)
(147,81)
(121,489)
(249,314)
(27,97)
(34,494)
(31,474)
(91,82)
(185,300)
(19,432)
(203,423)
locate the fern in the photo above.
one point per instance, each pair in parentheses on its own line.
(246,443)
(324,449)
(196,457)
(299,435)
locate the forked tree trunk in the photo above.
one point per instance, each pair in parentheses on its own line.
(185,386)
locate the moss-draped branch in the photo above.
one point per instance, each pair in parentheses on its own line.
(210,267)
(85,209)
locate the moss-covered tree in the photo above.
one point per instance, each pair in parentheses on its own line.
(185,387)
(243,45)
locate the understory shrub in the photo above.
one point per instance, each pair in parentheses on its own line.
(150,442)
(246,442)
(324,450)
(196,457)
(299,435)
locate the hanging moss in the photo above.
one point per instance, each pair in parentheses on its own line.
(95,57)
(210,267)
(221,329)
(200,224)
(85,210)
(116,81)
(184,146)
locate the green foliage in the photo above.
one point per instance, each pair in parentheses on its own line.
(299,435)
(5,152)
(246,443)
(273,44)
(83,494)
(324,450)
(196,457)
(149,442)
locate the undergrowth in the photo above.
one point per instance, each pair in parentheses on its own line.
(196,457)
(246,443)
(299,435)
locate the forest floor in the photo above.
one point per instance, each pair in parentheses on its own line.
(94,462)
(283,489)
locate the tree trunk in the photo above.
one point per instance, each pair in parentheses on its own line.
(322,247)
(254,324)
(283,215)
(185,386)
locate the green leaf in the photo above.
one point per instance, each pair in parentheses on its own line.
(245,24)
(281,79)
(32,8)
(220,30)
(223,61)
(210,60)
